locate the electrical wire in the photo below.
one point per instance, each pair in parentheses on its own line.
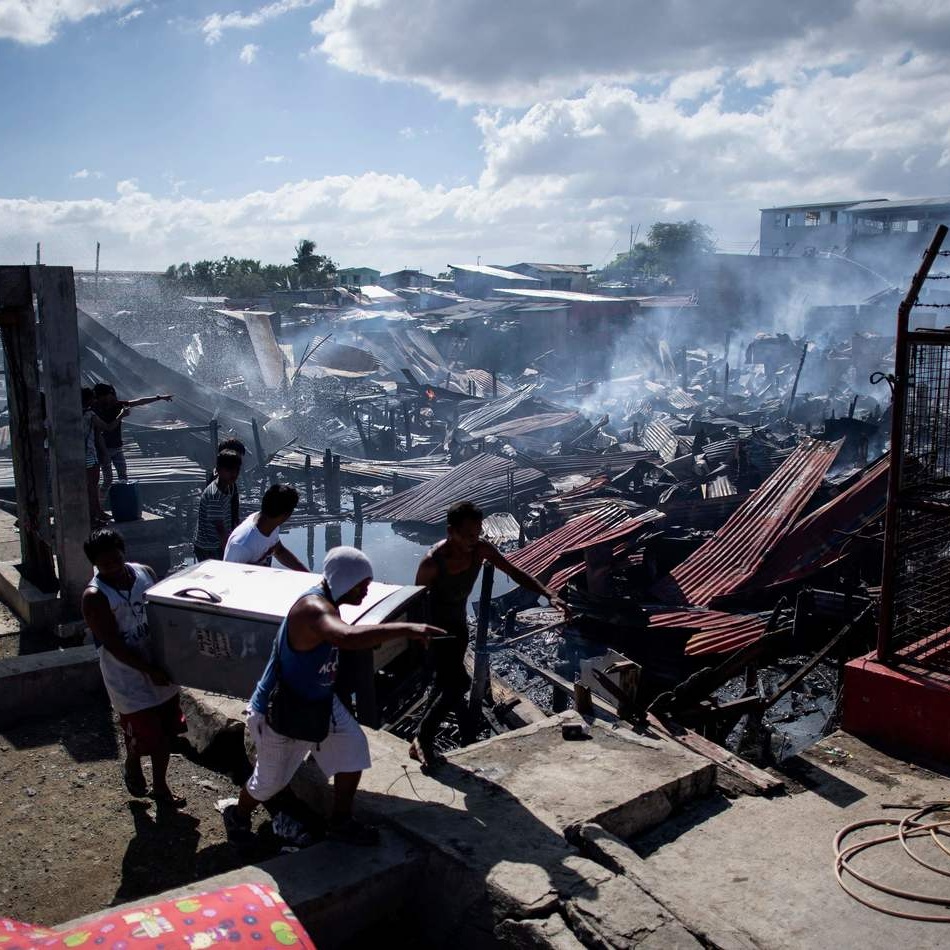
(910,826)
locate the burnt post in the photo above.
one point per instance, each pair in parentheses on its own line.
(258,447)
(481,678)
(335,480)
(308,480)
(213,439)
(407,431)
(27,435)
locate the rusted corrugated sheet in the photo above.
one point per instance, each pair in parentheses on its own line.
(609,523)
(817,541)
(483,479)
(711,631)
(557,465)
(737,550)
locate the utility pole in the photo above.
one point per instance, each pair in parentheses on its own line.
(37,253)
(96,284)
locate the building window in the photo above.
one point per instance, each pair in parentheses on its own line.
(812,219)
(560,283)
(779,221)
(832,217)
(788,219)
(913,227)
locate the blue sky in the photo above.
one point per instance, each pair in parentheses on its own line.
(151,100)
(424,132)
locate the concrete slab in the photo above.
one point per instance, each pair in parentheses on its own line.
(621,780)
(45,683)
(336,891)
(766,865)
(35,607)
(499,837)
(209,715)
(9,538)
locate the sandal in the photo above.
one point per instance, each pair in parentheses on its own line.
(425,755)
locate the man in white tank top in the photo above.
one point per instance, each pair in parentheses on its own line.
(113,606)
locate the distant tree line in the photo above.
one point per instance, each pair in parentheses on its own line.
(671,248)
(244,277)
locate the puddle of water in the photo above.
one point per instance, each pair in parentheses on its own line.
(395,557)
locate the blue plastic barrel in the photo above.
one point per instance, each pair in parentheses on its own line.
(126,501)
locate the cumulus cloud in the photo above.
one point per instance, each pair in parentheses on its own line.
(217,24)
(562,181)
(84,173)
(517,53)
(274,159)
(36,22)
(248,53)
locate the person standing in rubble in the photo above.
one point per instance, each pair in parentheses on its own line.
(93,429)
(449,571)
(109,408)
(234,445)
(256,540)
(113,606)
(294,710)
(216,519)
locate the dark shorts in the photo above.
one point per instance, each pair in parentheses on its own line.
(151,730)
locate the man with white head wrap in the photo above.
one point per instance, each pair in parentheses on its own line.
(304,662)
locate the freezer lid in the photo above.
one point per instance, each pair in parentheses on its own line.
(259,593)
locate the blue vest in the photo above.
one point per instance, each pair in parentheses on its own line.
(310,673)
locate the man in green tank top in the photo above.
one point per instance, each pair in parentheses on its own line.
(449,571)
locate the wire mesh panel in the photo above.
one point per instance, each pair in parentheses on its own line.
(920,630)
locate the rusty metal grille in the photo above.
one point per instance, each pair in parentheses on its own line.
(920,632)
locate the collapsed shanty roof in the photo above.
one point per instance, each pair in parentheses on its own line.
(725,562)
(261,332)
(555,268)
(605,524)
(710,631)
(487,480)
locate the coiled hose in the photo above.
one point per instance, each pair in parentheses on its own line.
(910,826)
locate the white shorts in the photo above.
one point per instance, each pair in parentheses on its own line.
(345,749)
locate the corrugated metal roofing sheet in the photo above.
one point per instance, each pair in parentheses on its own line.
(817,541)
(711,631)
(736,551)
(527,424)
(608,523)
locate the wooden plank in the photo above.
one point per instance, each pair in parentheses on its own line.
(59,350)
(752,779)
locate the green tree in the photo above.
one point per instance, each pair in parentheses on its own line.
(314,270)
(671,249)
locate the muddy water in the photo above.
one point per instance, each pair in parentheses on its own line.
(395,557)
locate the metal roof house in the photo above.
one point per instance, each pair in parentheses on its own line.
(572,277)
(481,280)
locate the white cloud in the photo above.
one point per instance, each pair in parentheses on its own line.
(562,181)
(130,16)
(215,25)
(248,53)
(84,173)
(36,22)
(518,53)
(275,159)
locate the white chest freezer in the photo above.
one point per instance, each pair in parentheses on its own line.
(213,624)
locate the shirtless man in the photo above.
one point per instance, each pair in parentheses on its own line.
(449,571)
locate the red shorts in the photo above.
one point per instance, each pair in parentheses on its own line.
(151,730)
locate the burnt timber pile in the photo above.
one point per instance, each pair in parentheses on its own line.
(712,513)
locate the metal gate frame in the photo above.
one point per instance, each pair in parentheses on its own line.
(915,594)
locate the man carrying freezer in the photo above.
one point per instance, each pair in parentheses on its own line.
(294,711)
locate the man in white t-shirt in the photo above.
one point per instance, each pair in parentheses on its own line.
(257,538)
